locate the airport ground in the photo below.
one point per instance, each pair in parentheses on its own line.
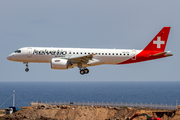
(72,112)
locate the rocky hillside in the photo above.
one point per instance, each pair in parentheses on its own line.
(70,112)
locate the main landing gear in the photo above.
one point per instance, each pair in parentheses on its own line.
(27,69)
(84,71)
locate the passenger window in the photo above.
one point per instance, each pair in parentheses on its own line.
(88,53)
(81,52)
(102,53)
(105,53)
(84,53)
(99,53)
(69,52)
(120,54)
(116,53)
(113,54)
(77,52)
(109,53)
(73,52)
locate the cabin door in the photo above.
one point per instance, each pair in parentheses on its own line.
(134,54)
(29,54)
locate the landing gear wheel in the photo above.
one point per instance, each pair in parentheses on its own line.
(27,69)
(86,71)
(82,72)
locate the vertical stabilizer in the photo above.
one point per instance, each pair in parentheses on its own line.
(158,43)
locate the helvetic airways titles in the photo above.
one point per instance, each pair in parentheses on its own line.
(49,52)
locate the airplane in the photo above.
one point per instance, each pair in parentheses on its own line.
(65,58)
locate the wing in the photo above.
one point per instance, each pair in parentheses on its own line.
(82,59)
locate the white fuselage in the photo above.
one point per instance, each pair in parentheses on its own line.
(45,54)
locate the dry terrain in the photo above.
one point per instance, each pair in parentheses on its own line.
(70,112)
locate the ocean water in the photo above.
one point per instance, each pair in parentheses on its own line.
(140,92)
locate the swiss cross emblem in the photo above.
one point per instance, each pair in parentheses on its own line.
(158,42)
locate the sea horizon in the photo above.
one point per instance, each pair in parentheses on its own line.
(160,92)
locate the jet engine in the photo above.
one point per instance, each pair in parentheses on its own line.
(57,63)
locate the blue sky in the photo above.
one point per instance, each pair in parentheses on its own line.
(89,24)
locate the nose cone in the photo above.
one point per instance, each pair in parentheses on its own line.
(9,57)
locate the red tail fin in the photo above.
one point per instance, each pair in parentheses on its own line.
(159,41)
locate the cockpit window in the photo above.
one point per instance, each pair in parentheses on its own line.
(17,51)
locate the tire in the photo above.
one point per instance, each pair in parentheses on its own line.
(86,71)
(27,69)
(82,72)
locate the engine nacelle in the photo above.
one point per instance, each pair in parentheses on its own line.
(57,63)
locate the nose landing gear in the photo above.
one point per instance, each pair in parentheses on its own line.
(27,69)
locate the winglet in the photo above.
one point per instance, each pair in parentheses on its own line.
(158,43)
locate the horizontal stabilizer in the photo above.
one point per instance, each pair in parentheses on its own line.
(162,53)
(169,54)
(159,54)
